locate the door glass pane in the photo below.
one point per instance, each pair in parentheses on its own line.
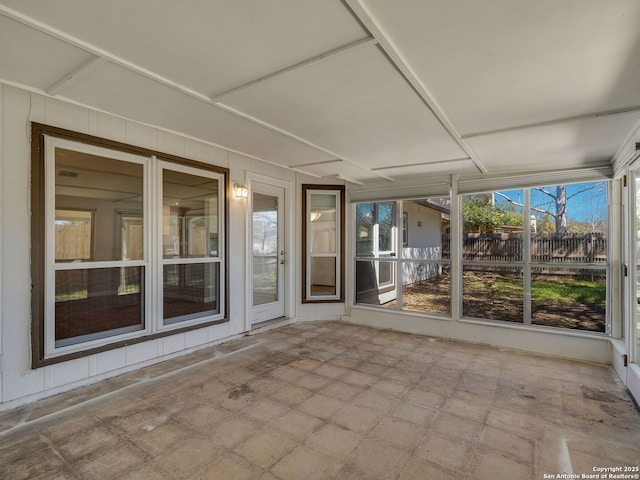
(190,291)
(323,223)
(265,248)
(323,276)
(101,187)
(189,215)
(90,303)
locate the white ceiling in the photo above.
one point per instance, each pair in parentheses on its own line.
(365,90)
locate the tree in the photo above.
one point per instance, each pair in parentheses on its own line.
(478,212)
(556,207)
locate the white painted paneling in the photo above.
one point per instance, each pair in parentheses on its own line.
(69,116)
(172,144)
(362,110)
(108,126)
(142,135)
(33,58)
(218,332)
(141,352)
(110,361)
(172,344)
(65,373)
(16,282)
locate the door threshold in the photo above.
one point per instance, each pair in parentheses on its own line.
(270,325)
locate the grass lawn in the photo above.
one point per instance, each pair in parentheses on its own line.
(556,301)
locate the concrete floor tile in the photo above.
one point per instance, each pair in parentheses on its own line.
(456,427)
(356,419)
(296,424)
(507,444)
(445,451)
(334,441)
(321,406)
(265,447)
(413,413)
(111,463)
(305,463)
(232,430)
(378,460)
(375,401)
(418,468)
(230,466)
(424,398)
(341,391)
(496,467)
(398,433)
(390,388)
(157,440)
(331,400)
(359,379)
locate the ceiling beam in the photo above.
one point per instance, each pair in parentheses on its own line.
(362,15)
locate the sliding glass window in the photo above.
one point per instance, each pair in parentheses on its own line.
(124,245)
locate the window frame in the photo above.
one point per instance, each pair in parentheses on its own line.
(339,192)
(43,248)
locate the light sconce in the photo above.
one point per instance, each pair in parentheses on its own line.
(240,190)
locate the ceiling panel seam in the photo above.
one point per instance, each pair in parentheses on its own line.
(362,15)
(556,121)
(116,60)
(109,57)
(363,42)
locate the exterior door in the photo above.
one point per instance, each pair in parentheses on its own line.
(268,256)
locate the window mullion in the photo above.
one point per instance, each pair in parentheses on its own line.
(526,257)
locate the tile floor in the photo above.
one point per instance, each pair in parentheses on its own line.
(336,401)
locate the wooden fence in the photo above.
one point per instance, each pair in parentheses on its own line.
(545,248)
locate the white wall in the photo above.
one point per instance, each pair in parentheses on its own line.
(18,382)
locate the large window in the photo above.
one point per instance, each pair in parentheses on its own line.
(124,245)
(402,254)
(537,256)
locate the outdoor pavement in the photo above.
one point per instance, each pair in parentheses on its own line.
(331,400)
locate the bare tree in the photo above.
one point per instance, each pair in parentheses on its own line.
(558,200)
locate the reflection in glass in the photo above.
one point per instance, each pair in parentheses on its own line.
(100,187)
(323,223)
(265,248)
(323,276)
(74,235)
(372,282)
(493,292)
(90,304)
(189,215)
(190,291)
